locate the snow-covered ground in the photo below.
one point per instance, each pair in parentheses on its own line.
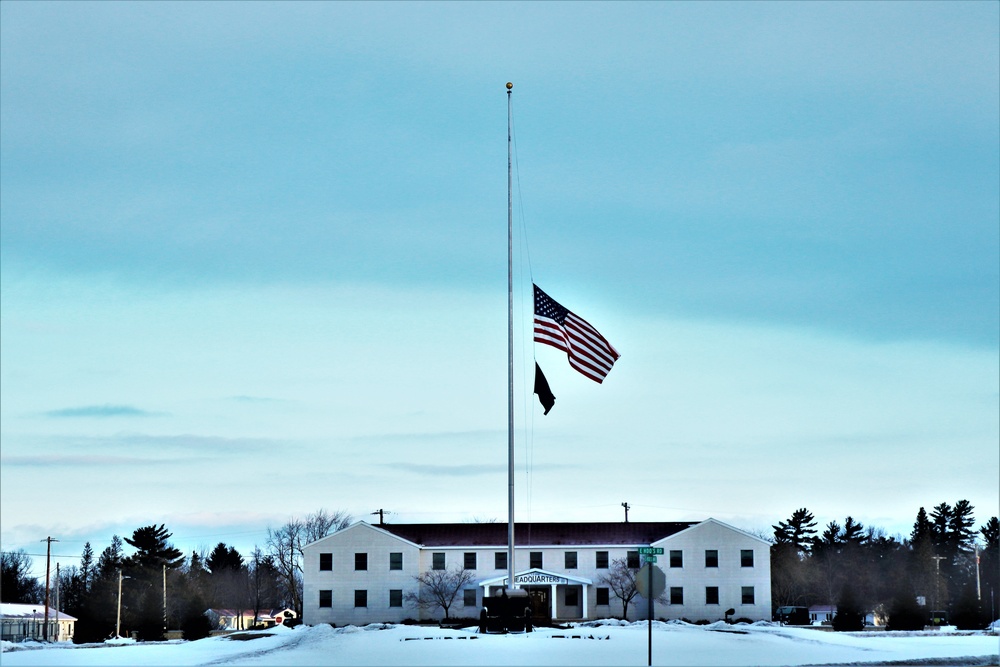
(596,643)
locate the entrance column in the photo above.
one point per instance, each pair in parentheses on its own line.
(553,602)
(584,587)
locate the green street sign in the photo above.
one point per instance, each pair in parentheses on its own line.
(652,551)
(650,559)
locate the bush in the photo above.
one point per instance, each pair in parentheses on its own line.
(850,615)
(905,614)
(196,626)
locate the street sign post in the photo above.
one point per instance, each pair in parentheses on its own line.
(650,581)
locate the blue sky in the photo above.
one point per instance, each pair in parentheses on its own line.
(254,262)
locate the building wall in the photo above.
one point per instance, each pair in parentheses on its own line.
(693,577)
(730,576)
(343,580)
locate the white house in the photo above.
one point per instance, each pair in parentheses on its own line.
(363,573)
(27,621)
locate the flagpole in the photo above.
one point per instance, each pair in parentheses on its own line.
(510,355)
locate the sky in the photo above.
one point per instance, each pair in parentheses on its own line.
(253,263)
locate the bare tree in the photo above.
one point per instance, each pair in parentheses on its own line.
(621,580)
(285,546)
(321,523)
(439,588)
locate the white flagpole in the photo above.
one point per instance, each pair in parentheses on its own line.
(510,356)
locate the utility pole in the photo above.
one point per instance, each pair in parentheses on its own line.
(57,602)
(48,557)
(165,601)
(937,579)
(627,508)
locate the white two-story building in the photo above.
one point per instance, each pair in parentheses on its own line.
(365,573)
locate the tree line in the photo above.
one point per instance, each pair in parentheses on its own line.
(938,567)
(160,588)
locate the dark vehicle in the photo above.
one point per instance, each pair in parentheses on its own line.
(792,615)
(502,614)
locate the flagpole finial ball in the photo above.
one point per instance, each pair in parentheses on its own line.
(509,85)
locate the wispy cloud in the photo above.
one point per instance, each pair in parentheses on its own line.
(102,412)
(101,461)
(465,470)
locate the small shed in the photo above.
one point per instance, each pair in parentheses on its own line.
(19,622)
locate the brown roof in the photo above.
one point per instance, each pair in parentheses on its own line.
(535,534)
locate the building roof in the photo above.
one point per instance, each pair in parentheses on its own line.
(536,534)
(31,612)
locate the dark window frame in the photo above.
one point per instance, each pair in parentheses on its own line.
(360,597)
(467,558)
(437,556)
(601,560)
(395,560)
(326,562)
(571,559)
(746,557)
(360,561)
(676,558)
(711,558)
(676,595)
(325,598)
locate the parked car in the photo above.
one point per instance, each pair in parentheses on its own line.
(792,615)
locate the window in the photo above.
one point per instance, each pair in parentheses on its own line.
(602,560)
(470,560)
(632,560)
(326,598)
(572,597)
(360,598)
(395,597)
(396,560)
(570,560)
(602,596)
(437,560)
(711,558)
(711,595)
(676,595)
(469,597)
(325,562)
(747,595)
(360,561)
(676,558)
(500,560)
(746,557)
(535,559)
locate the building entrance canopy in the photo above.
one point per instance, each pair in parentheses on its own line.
(539,577)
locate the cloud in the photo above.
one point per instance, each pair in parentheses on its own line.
(82,461)
(465,470)
(101,412)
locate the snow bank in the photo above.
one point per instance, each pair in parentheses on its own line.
(622,643)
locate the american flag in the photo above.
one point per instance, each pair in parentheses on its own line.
(588,351)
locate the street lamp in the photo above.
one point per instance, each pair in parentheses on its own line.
(118,621)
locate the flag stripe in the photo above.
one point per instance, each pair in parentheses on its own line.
(588,351)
